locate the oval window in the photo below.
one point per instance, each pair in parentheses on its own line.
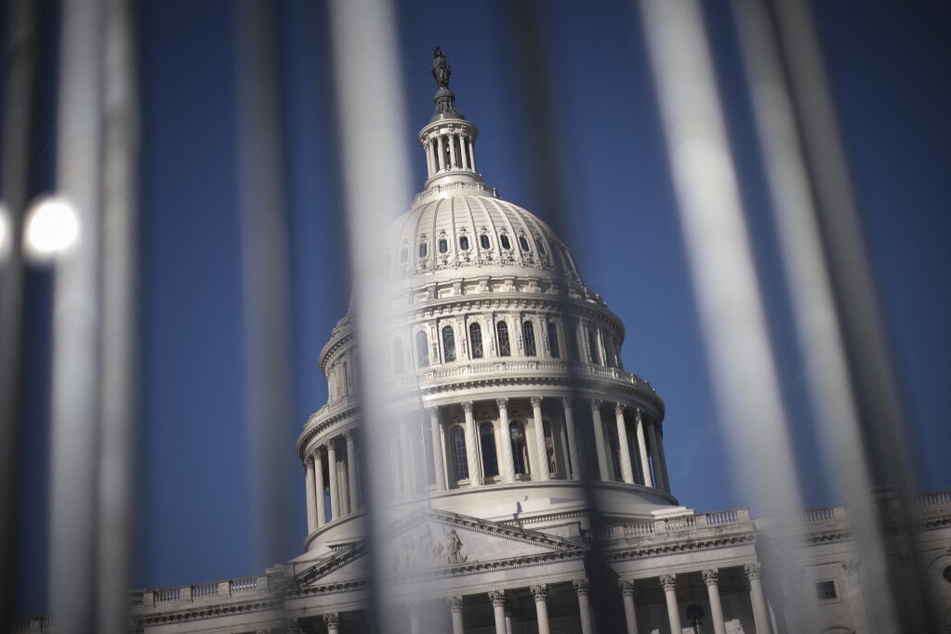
(484,241)
(404,255)
(423,249)
(504,241)
(443,245)
(464,243)
(541,245)
(523,243)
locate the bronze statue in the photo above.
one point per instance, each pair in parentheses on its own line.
(441,70)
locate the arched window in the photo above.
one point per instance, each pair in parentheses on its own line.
(459,460)
(397,352)
(550,449)
(484,241)
(553,339)
(519,448)
(490,458)
(422,350)
(593,345)
(448,344)
(528,333)
(505,347)
(475,340)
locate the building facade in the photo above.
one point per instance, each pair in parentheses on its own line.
(528,486)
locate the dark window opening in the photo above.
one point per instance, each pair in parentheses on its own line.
(504,241)
(484,241)
(505,347)
(443,245)
(475,341)
(423,249)
(460,461)
(523,243)
(528,333)
(825,590)
(490,459)
(519,449)
(448,344)
(463,243)
(553,339)
(422,349)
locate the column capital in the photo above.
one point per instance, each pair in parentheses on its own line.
(332,619)
(627,587)
(540,592)
(503,403)
(581,586)
(566,401)
(668,582)
(850,567)
(412,608)
(596,403)
(753,570)
(536,401)
(498,598)
(711,577)
(308,459)
(619,409)
(455,604)
(466,406)
(350,435)
(433,411)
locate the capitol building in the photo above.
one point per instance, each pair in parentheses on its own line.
(528,484)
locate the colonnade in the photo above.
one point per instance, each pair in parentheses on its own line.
(458,145)
(341,465)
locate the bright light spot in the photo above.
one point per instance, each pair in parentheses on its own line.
(50,228)
(6,234)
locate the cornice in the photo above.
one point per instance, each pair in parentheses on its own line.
(679,547)
(349,410)
(207,612)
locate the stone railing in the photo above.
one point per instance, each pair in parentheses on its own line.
(35,624)
(675,525)
(205,591)
(818,516)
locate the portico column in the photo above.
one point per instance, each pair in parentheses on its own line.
(472,163)
(311,500)
(584,606)
(540,592)
(352,471)
(630,615)
(627,472)
(541,448)
(669,584)
(712,578)
(413,610)
(319,488)
(437,449)
(603,470)
(498,610)
(463,154)
(332,470)
(455,607)
(572,439)
(441,151)
(508,461)
(472,457)
(332,621)
(642,447)
(660,476)
(661,455)
(760,613)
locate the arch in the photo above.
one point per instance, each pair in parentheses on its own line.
(460,463)
(448,344)
(502,332)
(475,340)
(528,335)
(519,447)
(490,457)
(422,349)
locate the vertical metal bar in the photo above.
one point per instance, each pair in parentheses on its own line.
(76,317)
(20,61)
(119,317)
(264,274)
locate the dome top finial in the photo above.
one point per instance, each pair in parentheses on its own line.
(445,100)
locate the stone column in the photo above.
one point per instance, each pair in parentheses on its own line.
(603,469)
(332,621)
(352,471)
(642,447)
(669,584)
(344,488)
(584,606)
(472,163)
(540,592)
(630,615)
(406,460)
(760,613)
(455,608)
(498,609)
(438,466)
(452,150)
(472,453)
(311,499)
(541,450)
(413,610)
(463,152)
(712,579)
(441,152)
(508,461)
(659,472)
(856,596)
(332,470)
(661,455)
(627,472)
(319,488)
(572,439)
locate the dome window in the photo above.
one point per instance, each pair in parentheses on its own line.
(423,249)
(505,242)
(463,243)
(422,350)
(523,244)
(443,245)
(448,344)
(484,241)
(528,334)
(404,254)
(475,341)
(553,339)
(505,346)
(541,246)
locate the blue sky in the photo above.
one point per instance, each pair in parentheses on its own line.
(889,64)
